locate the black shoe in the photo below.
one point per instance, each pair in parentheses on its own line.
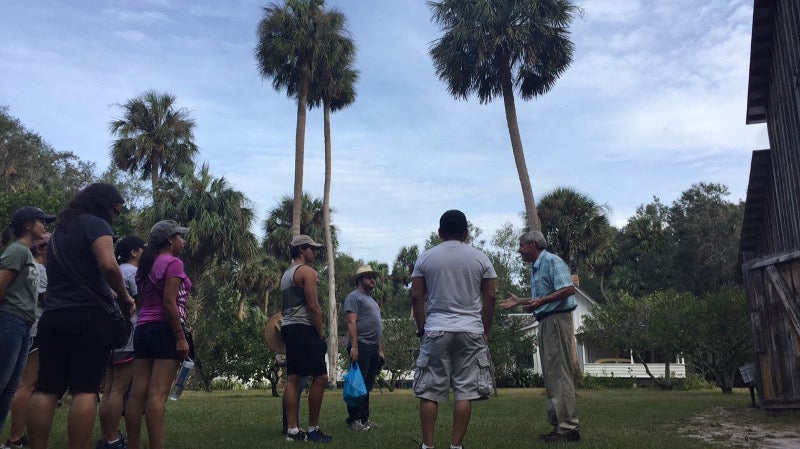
(547,435)
(555,437)
(316,436)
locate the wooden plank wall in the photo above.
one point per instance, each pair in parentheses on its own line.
(773,302)
(783,124)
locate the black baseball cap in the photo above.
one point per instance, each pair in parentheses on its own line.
(26,213)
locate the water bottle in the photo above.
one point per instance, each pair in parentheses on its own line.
(180,381)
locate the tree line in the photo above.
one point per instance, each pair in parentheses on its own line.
(667,281)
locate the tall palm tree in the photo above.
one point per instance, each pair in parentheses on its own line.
(490,47)
(288,48)
(333,86)
(154,138)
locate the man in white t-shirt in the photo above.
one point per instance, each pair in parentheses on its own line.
(453,295)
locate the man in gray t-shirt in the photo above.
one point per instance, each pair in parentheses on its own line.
(364,328)
(456,284)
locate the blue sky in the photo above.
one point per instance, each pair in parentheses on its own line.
(653,102)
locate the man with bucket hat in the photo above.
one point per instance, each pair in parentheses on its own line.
(364,327)
(304,336)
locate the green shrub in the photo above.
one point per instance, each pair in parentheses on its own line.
(590,382)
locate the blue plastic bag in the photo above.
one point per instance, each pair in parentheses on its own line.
(354,388)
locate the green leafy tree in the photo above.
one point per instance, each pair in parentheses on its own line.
(705,234)
(228,344)
(512,277)
(644,260)
(154,138)
(689,246)
(399,305)
(620,327)
(401,346)
(491,47)
(512,352)
(33,173)
(715,337)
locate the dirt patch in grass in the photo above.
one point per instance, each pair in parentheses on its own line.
(749,428)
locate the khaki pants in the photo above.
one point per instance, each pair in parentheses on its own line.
(556,337)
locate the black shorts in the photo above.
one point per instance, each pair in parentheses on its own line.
(74,348)
(155,340)
(305,351)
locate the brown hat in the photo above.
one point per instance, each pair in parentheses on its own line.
(365,269)
(272,334)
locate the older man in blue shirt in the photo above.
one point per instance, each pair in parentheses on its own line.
(552,301)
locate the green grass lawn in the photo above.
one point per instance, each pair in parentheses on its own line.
(619,419)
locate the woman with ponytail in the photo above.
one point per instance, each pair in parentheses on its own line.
(160,342)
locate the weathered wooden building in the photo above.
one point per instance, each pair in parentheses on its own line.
(770,240)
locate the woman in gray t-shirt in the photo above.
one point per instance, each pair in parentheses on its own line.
(18,291)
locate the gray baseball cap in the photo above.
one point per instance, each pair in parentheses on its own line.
(303,239)
(165,229)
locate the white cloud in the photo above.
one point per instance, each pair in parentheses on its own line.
(133,36)
(143,17)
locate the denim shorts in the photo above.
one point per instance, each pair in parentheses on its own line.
(453,359)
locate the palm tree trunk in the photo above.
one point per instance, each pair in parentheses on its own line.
(333,340)
(299,155)
(154,175)
(516,147)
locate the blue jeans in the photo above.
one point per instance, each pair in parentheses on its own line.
(368,363)
(15,341)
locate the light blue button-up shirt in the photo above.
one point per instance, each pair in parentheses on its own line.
(549,274)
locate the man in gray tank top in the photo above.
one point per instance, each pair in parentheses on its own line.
(304,336)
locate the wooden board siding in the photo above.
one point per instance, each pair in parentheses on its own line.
(783,124)
(770,241)
(773,289)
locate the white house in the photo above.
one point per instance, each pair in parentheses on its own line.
(595,362)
